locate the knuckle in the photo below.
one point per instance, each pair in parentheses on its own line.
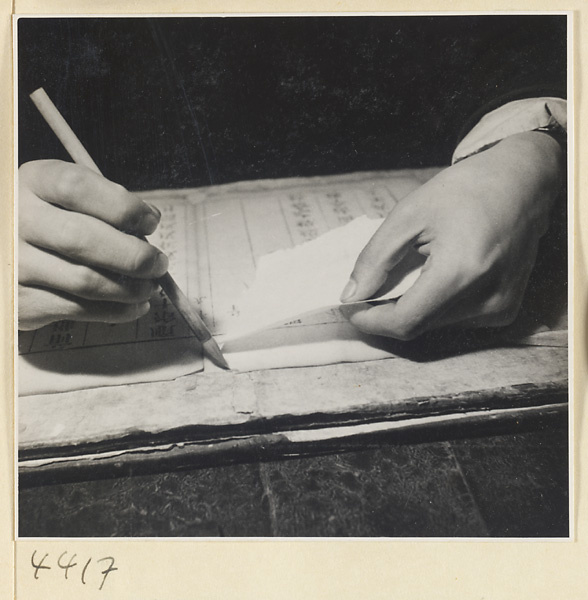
(71,181)
(27,171)
(497,304)
(508,300)
(88,283)
(71,240)
(406,218)
(501,310)
(402,211)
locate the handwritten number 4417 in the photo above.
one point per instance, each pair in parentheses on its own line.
(67,562)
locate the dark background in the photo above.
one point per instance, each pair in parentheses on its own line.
(172,102)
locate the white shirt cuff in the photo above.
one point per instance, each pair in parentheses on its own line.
(515,117)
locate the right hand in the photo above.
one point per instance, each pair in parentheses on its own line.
(478,223)
(78,254)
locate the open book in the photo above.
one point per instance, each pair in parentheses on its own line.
(220,241)
(265,263)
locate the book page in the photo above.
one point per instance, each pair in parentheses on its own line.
(265,223)
(215,238)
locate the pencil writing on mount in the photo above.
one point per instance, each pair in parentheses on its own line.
(80,155)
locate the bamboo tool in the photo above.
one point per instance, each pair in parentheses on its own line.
(80,155)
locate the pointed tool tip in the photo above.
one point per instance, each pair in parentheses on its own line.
(214,353)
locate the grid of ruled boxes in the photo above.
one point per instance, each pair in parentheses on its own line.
(213,247)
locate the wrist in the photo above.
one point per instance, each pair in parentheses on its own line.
(539,156)
(517,180)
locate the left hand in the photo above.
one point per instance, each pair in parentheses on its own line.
(478,223)
(79,255)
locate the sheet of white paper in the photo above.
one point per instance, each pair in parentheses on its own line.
(306,344)
(101,365)
(311,277)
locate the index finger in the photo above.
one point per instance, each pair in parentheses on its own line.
(387,247)
(80,189)
(89,241)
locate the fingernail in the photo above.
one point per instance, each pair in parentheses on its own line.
(150,220)
(149,223)
(154,210)
(349,290)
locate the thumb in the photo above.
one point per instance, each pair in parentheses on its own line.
(383,252)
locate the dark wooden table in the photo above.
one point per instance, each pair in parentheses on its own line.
(512,484)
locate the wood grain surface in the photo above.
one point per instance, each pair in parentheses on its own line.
(505,485)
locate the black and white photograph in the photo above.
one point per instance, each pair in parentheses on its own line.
(293,276)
